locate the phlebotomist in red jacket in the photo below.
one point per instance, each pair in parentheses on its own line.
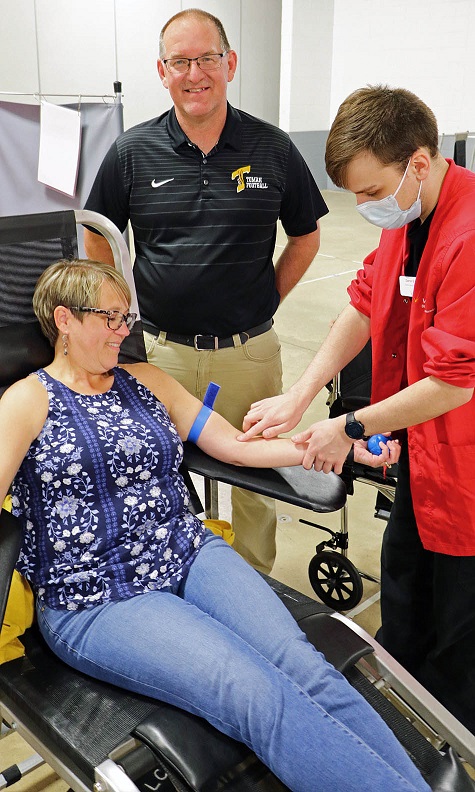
(415,298)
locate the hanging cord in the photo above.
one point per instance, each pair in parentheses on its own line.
(115,44)
(37,48)
(117,83)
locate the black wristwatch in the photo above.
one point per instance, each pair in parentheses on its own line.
(354,429)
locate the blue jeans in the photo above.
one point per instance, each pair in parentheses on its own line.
(225,648)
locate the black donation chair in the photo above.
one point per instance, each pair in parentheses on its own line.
(98,737)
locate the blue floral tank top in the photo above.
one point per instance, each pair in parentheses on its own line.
(101,499)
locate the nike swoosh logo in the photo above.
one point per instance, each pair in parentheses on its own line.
(160,183)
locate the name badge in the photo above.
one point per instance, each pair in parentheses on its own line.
(406,285)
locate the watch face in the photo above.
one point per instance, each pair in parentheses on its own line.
(354,429)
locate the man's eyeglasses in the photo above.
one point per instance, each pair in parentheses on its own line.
(115,319)
(205,62)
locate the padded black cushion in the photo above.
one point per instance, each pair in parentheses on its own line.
(450,775)
(23,349)
(82,719)
(40,226)
(320,492)
(342,647)
(132,349)
(11,543)
(199,761)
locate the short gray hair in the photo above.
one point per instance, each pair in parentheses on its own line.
(204,16)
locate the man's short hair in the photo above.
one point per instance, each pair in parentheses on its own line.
(204,16)
(389,123)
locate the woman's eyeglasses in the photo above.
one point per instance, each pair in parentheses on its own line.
(115,319)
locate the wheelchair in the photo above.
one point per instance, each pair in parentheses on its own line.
(333,576)
(98,737)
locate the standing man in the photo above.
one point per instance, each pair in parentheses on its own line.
(415,297)
(204,186)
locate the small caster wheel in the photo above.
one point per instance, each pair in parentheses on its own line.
(335,580)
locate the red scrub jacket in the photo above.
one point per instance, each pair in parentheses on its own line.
(431,335)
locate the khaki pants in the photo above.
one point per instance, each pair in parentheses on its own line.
(246,373)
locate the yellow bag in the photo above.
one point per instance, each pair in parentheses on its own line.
(18,615)
(221,528)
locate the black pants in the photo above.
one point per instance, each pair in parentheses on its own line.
(428,608)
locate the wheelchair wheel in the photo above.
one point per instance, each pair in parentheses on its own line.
(335,580)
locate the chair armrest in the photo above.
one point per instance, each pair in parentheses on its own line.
(319,492)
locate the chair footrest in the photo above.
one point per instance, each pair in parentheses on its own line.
(192,749)
(340,645)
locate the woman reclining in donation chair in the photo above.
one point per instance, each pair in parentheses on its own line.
(130,587)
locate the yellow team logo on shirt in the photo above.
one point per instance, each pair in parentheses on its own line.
(239,175)
(255,182)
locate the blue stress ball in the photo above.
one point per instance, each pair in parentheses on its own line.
(374,441)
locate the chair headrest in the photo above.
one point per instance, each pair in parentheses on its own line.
(23,349)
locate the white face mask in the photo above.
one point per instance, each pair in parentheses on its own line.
(386,213)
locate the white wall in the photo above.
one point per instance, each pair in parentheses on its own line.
(66,47)
(332,47)
(423,45)
(307,53)
(328,48)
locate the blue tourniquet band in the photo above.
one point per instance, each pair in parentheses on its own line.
(199,422)
(210,395)
(205,412)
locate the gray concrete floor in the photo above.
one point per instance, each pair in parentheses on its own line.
(301,322)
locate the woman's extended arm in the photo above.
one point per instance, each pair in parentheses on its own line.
(219,439)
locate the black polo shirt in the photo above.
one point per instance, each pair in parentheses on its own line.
(417,234)
(205,226)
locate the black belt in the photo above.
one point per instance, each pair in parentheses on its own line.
(202,341)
